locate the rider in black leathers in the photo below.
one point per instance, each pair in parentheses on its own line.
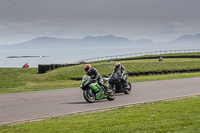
(94,74)
(120,71)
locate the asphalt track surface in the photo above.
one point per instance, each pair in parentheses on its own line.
(17,107)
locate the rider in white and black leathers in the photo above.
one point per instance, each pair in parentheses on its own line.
(121,72)
(94,74)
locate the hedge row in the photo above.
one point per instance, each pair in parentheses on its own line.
(163,72)
(153,72)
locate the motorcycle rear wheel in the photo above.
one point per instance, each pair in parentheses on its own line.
(89,96)
(111,97)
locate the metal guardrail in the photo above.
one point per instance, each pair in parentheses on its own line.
(136,55)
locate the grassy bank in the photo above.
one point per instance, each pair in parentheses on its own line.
(180,116)
(22,80)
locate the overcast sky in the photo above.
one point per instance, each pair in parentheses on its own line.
(157,20)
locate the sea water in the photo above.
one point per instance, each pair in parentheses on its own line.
(71,55)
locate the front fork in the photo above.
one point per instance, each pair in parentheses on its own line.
(112,87)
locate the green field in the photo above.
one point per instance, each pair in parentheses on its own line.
(180,116)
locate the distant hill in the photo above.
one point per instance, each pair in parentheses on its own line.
(105,39)
(99,41)
(89,41)
(143,41)
(186,39)
(42,42)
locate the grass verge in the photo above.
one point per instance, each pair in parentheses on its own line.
(163,116)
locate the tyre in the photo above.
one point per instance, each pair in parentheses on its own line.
(89,96)
(112,87)
(128,90)
(112,96)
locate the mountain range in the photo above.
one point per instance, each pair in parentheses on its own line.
(99,41)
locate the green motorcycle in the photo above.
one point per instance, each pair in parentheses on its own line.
(93,91)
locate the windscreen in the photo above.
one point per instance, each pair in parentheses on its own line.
(86,77)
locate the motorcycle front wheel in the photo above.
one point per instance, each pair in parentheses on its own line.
(89,96)
(128,90)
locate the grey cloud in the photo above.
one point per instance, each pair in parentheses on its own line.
(173,27)
(78,18)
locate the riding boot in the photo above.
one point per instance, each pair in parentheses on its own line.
(106,88)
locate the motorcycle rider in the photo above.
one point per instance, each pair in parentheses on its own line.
(94,74)
(120,71)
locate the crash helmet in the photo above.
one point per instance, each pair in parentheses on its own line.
(88,67)
(118,65)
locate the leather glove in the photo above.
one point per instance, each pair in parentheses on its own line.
(94,80)
(119,76)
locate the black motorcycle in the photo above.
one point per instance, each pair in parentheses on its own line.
(116,84)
